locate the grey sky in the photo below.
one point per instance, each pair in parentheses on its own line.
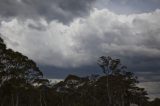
(128,6)
(61,10)
(67,36)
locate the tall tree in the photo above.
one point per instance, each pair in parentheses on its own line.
(18,73)
(121,85)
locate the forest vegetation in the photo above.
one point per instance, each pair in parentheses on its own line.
(22,84)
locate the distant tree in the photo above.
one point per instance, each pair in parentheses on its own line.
(22,84)
(155,102)
(121,85)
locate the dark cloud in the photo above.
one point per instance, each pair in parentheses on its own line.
(61,73)
(132,38)
(38,26)
(61,10)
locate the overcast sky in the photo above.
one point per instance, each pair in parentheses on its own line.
(67,36)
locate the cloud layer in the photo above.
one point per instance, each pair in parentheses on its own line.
(152,88)
(135,38)
(103,32)
(61,10)
(70,34)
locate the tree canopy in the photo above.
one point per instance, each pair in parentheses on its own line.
(22,84)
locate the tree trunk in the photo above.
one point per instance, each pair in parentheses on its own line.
(45,104)
(17,100)
(3,101)
(122,99)
(108,91)
(12,100)
(40,100)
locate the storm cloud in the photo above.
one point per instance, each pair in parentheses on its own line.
(67,36)
(134,38)
(60,10)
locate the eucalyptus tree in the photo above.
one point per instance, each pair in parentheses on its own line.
(109,66)
(121,84)
(17,72)
(22,84)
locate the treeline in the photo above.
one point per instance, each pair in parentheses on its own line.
(22,84)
